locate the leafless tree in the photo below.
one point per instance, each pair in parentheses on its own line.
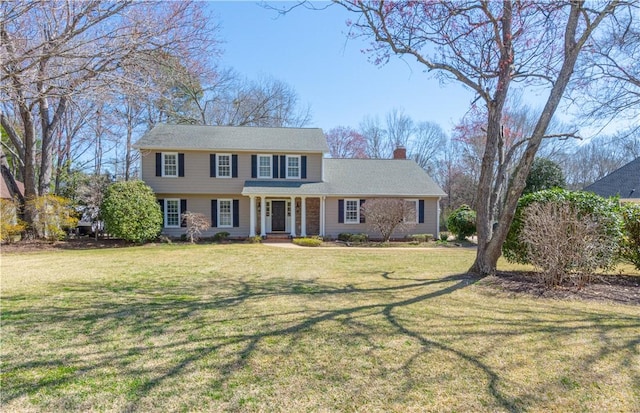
(265,102)
(427,144)
(490,47)
(56,52)
(389,215)
(400,128)
(346,143)
(610,76)
(196,223)
(376,136)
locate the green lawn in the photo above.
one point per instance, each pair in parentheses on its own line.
(260,328)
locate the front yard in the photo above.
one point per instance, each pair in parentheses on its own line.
(260,328)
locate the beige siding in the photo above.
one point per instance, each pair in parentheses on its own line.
(333,228)
(198,181)
(202,204)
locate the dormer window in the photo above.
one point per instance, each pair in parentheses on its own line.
(293,167)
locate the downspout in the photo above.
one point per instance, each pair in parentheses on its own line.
(438,218)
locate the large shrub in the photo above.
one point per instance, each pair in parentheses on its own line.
(53,216)
(10,225)
(131,212)
(544,174)
(462,222)
(566,234)
(630,243)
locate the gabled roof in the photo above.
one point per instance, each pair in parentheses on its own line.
(233,138)
(378,177)
(623,182)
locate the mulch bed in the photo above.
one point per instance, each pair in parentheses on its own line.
(623,289)
(83,243)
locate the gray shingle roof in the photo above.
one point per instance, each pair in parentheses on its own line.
(623,182)
(378,177)
(285,188)
(197,137)
(356,177)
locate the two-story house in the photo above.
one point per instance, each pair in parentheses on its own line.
(260,181)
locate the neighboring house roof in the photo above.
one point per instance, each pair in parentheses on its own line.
(233,138)
(357,177)
(4,188)
(623,182)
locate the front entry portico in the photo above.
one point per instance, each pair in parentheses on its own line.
(294,207)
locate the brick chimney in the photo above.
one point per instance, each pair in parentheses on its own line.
(400,153)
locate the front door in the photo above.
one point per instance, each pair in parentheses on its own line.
(278,215)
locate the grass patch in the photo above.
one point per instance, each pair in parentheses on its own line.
(258,328)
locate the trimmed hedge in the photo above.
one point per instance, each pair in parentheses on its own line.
(307,242)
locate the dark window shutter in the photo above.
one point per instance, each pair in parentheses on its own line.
(214,212)
(421,211)
(236,213)
(340,211)
(361,214)
(283,166)
(234,166)
(181,164)
(212,165)
(254,166)
(274,173)
(303,167)
(158,164)
(161,202)
(183,209)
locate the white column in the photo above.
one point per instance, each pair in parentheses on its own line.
(322,213)
(303,217)
(263,217)
(293,216)
(252,216)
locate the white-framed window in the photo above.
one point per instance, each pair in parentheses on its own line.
(351,211)
(225,213)
(172,213)
(264,167)
(169,164)
(411,214)
(293,167)
(223,162)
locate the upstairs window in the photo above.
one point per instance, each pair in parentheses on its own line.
(170,164)
(293,167)
(224,165)
(264,166)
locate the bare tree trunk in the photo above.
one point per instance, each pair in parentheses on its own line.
(490,244)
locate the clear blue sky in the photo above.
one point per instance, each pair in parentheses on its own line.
(310,51)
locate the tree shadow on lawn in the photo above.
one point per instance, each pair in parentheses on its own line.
(93,327)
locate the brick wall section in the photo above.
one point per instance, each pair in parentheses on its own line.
(313,216)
